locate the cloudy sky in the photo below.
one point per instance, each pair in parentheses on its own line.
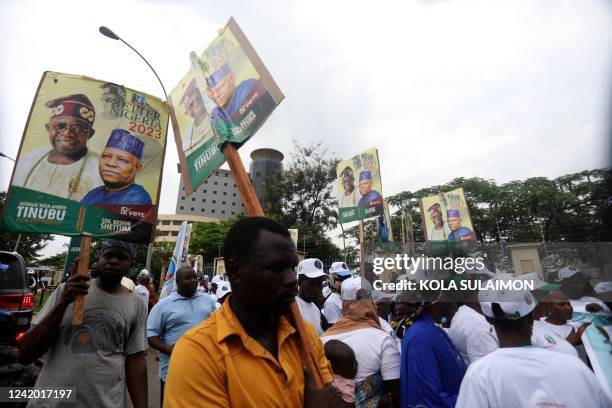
(497,89)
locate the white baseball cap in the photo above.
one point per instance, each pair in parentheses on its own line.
(514,303)
(311,268)
(340,269)
(567,272)
(351,286)
(223,289)
(217,279)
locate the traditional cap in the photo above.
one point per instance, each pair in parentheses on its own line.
(190,92)
(217,279)
(144,272)
(347,172)
(567,272)
(76,106)
(340,269)
(355,289)
(514,303)
(123,140)
(311,268)
(218,75)
(223,289)
(453,213)
(115,243)
(365,175)
(534,278)
(435,205)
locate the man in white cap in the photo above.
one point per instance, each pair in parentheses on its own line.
(223,291)
(310,283)
(332,310)
(519,374)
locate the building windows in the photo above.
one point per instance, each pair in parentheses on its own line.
(215,192)
(216,183)
(233,203)
(192,198)
(204,191)
(212,211)
(182,208)
(223,202)
(214,201)
(224,193)
(165,222)
(216,174)
(234,186)
(233,213)
(225,184)
(222,211)
(234,194)
(191,208)
(178,222)
(183,197)
(203,200)
(202,210)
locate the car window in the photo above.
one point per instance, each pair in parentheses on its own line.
(11,274)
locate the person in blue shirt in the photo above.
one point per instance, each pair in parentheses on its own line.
(458,232)
(174,315)
(232,100)
(431,368)
(368,196)
(119,164)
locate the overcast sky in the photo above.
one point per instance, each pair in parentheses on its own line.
(502,90)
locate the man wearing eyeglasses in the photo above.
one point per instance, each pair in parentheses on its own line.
(69,169)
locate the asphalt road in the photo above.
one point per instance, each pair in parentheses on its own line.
(152,380)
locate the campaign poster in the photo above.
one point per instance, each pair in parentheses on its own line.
(446,217)
(360,187)
(225,97)
(90,161)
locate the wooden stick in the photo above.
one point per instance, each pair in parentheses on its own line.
(253,209)
(361,249)
(83,268)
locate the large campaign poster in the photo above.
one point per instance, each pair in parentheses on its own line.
(446,217)
(225,97)
(90,161)
(360,187)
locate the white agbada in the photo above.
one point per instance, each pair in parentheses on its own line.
(332,309)
(472,335)
(73,181)
(374,350)
(311,313)
(530,377)
(142,291)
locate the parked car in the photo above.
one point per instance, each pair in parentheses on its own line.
(16,298)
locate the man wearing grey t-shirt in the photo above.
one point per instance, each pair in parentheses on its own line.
(104,355)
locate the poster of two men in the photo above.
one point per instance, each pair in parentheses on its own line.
(90,161)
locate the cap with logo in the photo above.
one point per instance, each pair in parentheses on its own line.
(311,268)
(340,269)
(567,272)
(223,289)
(217,279)
(515,304)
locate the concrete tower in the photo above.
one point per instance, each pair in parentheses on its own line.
(266,166)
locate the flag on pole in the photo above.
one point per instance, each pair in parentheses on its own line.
(179,258)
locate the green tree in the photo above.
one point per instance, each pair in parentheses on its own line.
(305,189)
(207,238)
(30,245)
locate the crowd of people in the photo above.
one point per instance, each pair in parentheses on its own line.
(234,342)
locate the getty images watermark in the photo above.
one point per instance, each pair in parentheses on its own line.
(414,281)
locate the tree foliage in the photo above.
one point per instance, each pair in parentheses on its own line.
(305,189)
(207,238)
(30,245)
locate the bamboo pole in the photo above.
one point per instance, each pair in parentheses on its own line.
(253,209)
(83,268)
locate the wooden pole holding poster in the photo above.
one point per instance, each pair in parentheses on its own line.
(83,268)
(361,249)
(253,209)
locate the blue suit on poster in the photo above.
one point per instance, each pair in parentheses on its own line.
(240,94)
(456,235)
(372,197)
(134,194)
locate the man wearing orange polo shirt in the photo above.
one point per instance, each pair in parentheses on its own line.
(247,353)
